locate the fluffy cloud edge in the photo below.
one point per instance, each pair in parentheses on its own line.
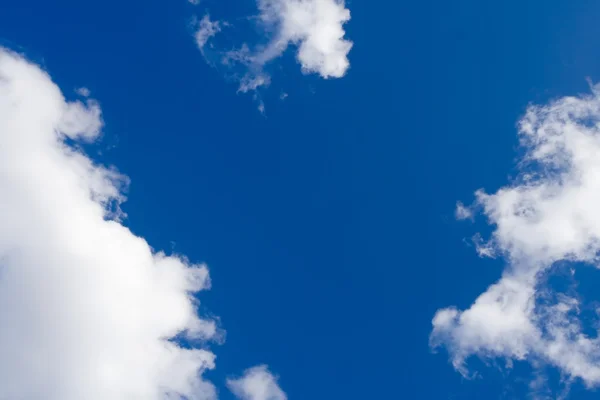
(314,27)
(88,310)
(257,383)
(544,220)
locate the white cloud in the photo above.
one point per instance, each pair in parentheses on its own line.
(257,384)
(462,212)
(86,307)
(206,30)
(314,27)
(549,215)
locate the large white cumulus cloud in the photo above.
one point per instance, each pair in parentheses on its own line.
(86,307)
(550,216)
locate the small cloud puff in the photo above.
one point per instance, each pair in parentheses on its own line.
(314,27)
(462,212)
(257,383)
(83,92)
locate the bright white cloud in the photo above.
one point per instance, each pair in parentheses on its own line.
(256,384)
(549,215)
(314,27)
(86,307)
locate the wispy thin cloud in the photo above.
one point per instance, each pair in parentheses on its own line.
(206,30)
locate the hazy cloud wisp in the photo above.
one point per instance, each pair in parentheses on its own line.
(314,27)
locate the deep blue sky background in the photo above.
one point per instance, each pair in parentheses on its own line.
(328,223)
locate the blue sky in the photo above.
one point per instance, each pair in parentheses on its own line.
(328,220)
